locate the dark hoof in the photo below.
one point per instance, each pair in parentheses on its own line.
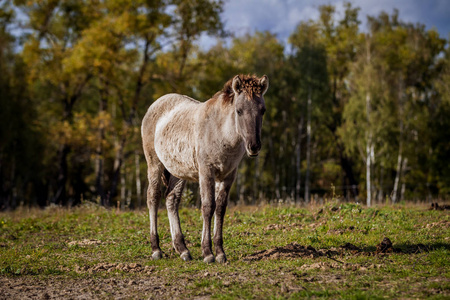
(156,255)
(186,256)
(221,258)
(209,259)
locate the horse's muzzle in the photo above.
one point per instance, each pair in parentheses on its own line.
(253,150)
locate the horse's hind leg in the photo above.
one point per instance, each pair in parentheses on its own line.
(174,190)
(153,199)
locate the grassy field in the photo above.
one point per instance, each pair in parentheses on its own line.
(333,251)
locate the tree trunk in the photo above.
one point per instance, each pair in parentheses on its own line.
(400,148)
(128,202)
(298,161)
(283,150)
(372,162)
(243,188)
(118,161)
(122,189)
(368,152)
(138,180)
(397,175)
(256,182)
(368,165)
(308,146)
(60,197)
(274,169)
(404,166)
(99,179)
(238,186)
(99,161)
(381,183)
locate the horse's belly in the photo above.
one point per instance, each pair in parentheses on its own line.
(178,162)
(175,149)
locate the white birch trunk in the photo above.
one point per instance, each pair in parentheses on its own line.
(368,152)
(400,151)
(368,183)
(397,176)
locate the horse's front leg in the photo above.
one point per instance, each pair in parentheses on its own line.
(222,191)
(206,182)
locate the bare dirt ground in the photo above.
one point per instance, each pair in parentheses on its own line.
(145,282)
(59,287)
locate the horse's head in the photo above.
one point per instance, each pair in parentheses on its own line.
(249,110)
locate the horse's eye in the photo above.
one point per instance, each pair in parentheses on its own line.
(239,112)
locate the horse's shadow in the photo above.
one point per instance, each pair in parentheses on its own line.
(408,248)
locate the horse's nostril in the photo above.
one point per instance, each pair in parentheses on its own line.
(254,148)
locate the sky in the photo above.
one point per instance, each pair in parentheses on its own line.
(282,16)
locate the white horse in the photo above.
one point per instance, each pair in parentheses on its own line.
(185,139)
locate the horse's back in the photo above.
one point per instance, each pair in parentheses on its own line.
(160,108)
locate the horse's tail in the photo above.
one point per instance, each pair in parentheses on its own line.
(169,181)
(165,177)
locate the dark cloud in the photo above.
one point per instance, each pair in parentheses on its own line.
(281,17)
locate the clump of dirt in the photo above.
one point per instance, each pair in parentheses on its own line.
(442,223)
(436,206)
(283,227)
(290,251)
(342,266)
(110,267)
(85,242)
(315,225)
(385,246)
(335,208)
(350,247)
(341,231)
(274,227)
(295,250)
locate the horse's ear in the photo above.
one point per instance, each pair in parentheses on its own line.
(264,82)
(237,85)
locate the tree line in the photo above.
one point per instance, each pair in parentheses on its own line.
(358,112)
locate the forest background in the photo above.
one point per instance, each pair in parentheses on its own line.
(363,113)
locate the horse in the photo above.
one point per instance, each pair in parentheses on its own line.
(185,139)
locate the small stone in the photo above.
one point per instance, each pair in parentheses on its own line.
(131,282)
(45,296)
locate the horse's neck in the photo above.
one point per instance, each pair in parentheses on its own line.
(225,124)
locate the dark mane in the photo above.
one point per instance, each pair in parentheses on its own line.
(250,86)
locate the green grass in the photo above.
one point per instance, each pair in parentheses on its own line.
(35,246)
